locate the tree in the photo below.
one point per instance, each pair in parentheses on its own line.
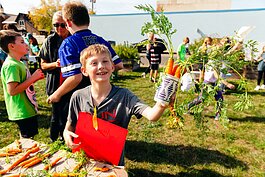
(42,17)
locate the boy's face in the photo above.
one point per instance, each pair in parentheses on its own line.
(19,47)
(98,67)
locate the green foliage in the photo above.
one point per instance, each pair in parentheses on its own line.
(127,52)
(215,57)
(159,25)
(244,103)
(42,16)
(219,55)
(58,145)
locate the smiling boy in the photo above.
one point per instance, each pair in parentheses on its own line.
(113,104)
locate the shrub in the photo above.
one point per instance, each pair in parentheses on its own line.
(127,52)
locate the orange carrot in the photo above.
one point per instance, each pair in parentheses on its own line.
(169,67)
(17,175)
(28,161)
(2,172)
(65,174)
(7,154)
(103,169)
(53,163)
(177,73)
(33,150)
(36,161)
(94,119)
(14,150)
(174,69)
(59,175)
(33,146)
(78,166)
(18,161)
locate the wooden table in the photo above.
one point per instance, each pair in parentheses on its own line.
(65,165)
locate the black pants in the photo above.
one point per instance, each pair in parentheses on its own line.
(149,65)
(59,117)
(260,73)
(28,127)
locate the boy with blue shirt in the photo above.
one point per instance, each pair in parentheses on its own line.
(77,20)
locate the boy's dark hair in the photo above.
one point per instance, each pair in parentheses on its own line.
(7,37)
(76,12)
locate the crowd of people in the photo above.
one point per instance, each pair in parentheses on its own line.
(209,73)
(78,66)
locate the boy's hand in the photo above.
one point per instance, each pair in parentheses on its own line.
(53,98)
(231,86)
(166,90)
(37,75)
(68,137)
(58,64)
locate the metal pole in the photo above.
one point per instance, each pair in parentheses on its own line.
(92,6)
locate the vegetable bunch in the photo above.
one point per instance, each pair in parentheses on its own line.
(174,70)
(219,54)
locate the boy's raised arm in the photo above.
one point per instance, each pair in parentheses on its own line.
(68,85)
(154,113)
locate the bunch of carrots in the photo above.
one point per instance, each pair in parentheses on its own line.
(12,151)
(174,70)
(26,161)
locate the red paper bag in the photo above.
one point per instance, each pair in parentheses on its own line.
(104,144)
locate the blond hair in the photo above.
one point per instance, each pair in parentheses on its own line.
(93,50)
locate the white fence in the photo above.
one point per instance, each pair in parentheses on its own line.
(127,27)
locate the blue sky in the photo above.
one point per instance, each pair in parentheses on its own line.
(113,6)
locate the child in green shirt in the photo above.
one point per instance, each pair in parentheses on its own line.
(17,84)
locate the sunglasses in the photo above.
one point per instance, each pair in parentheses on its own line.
(62,25)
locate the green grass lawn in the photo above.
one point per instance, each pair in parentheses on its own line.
(152,149)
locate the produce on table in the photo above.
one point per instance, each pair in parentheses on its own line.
(56,159)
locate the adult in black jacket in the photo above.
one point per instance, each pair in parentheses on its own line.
(50,63)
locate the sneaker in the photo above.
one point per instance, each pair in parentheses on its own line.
(263,86)
(217,116)
(257,87)
(143,75)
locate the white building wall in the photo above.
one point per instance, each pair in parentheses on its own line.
(127,27)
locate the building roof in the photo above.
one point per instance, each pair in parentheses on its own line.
(10,20)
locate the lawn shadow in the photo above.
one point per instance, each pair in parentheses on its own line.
(122,77)
(253,93)
(43,120)
(193,173)
(185,156)
(248,119)
(3,112)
